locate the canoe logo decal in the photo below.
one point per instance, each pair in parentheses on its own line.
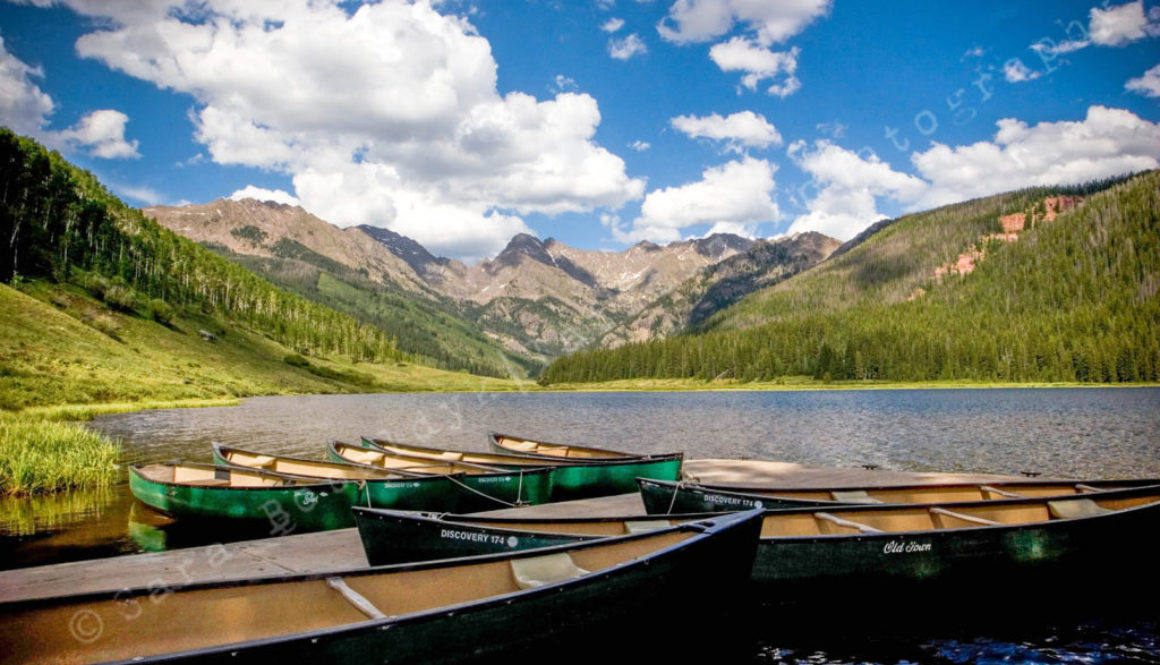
(473,537)
(905,547)
(306,498)
(732,500)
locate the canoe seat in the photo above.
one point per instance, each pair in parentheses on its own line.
(1065,510)
(853,496)
(261,460)
(538,571)
(643,526)
(207,482)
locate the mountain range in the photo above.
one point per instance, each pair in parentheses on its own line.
(535,300)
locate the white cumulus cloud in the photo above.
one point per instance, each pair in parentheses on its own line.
(736,196)
(1121,24)
(103,134)
(24,107)
(773,22)
(387,114)
(847,188)
(742,129)
(612,25)
(1107,142)
(627,47)
(759,63)
(1147,85)
(262,194)
(1114,26)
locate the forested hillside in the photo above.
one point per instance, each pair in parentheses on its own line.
(59,223)
(1074,299)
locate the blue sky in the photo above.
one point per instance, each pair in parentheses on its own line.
(599,123)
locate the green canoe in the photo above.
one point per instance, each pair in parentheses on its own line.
(480,487)
(571,478)
(398,489)
(282,503)
(661,497)
(620,596)
(905,553)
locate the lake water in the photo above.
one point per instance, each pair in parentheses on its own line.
(1090,433)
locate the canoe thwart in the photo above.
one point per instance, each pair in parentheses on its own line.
(538,571)
(1007,493)
(355,598)
(966,518)
(1073,508)
(864,528)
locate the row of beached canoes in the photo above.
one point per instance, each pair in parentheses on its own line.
(244,485)
(457,587)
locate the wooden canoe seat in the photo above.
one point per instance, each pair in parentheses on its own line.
(853,496)
(538,571)
(207,482)
(864,528)
(966,518)
(1070,509)
(264,461)
(522,446)
(642,526)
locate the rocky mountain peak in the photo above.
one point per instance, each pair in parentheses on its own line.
(523,244)
(410,251)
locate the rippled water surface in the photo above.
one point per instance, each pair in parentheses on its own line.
(1089,433)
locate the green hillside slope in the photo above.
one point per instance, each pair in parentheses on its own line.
(108,305)
(1071,300)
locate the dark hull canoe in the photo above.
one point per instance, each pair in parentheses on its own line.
(571,478)
(662,497)
(477,487)
(1042,547)
(391,537)
(1045,558)
(580,600)
(284,504)
(398,490)
(514,445)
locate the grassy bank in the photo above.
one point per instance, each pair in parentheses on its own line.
(39,454)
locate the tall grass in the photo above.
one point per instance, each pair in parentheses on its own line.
(42,455)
